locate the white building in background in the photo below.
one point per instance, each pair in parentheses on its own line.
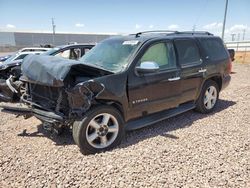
(30,38)
(239,45)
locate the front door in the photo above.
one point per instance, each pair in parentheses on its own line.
(153,92)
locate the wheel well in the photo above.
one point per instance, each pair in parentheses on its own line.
(218,80)
(114,104)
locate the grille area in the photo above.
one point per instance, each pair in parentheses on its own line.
(49,98)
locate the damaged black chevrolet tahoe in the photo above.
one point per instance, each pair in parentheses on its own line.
(125,83)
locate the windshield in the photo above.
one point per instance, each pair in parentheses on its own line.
(11,58)
(111,54)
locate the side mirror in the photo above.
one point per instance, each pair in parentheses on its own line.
(147,67)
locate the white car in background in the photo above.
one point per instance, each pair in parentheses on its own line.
(34,49)
(21,54)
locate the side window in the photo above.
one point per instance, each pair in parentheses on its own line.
(188,52)
(214,48)
(161,53)
(86,50)
(64,54)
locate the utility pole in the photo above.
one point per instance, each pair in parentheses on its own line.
(54,29)
(243,36)
(194,27)
(224,21)
(233,36)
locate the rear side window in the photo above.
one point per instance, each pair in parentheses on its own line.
(188,52)
(214,49)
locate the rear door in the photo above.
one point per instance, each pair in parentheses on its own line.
(153,92)
(192,70)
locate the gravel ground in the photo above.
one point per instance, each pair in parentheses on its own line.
(190,150)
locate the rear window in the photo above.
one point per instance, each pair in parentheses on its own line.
(214,49)
(188,52)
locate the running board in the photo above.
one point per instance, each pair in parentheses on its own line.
(159,116)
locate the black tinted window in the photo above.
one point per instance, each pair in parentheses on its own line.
(188,52)
(214,49)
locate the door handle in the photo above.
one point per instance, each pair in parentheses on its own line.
(174,79)
(202,70)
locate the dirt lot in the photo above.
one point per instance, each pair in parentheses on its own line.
(242,57)
(190,150)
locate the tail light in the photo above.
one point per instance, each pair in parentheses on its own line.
(229,66)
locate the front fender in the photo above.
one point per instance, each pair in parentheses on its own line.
(81,97)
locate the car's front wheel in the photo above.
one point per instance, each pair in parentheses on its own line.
(100,129)
(208,97)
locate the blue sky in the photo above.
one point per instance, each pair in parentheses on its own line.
(125,16)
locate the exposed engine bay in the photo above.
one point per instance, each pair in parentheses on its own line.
(60,91)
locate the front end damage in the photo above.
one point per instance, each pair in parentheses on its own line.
(61,105)
(60,95)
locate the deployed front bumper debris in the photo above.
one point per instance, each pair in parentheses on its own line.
(9,90)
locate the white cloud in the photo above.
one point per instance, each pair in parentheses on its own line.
(213,26)
(173,27)
(137,26)
(79,25)
(10,26)
(151,26)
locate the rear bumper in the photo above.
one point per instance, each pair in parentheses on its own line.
(225,81)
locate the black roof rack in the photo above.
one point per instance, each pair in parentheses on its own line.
(194,32)
(169,32)
(155,31)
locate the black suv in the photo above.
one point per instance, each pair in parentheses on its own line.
(125,83)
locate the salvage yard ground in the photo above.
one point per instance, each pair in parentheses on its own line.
(190,150)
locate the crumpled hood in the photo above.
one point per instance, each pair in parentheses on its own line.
(52,71)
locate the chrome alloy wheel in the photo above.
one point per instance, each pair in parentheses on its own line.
(210,97)
(102,130)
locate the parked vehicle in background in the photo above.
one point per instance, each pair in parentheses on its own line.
(231,53)
(4,58)
(125,83)
(14,61)
(34,49)
(70,51)
(20,54)
(10,71)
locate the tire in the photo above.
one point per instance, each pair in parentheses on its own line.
(209,92)
(101,129)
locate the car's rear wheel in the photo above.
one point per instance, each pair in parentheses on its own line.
(99,130)
(208,97)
